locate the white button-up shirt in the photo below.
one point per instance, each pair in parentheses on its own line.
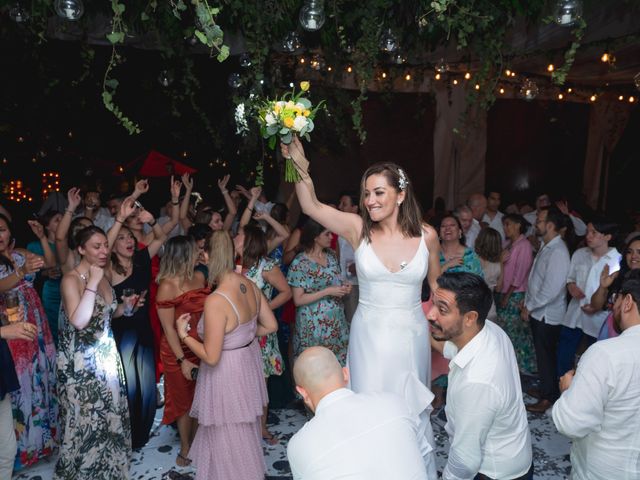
(363,436)
(496,223)
(472,234)
(581,262)
(600,411)
(592,323)
(546,290)
(486,419)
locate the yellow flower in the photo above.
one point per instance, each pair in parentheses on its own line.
(289,105)
(306,113)
(277,109)
(288,122)
(304,86)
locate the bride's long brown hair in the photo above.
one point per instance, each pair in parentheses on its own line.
(409,214)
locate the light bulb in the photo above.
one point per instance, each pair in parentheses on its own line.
(69,9)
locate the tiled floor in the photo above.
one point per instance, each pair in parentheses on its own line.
(157,459)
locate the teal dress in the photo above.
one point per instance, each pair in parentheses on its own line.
(470,263)
(50,293)
(322,322)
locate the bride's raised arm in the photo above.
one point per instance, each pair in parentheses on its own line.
(347,225)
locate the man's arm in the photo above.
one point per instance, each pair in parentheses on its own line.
(475,407)
(580,409)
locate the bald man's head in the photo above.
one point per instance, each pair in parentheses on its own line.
(317,372)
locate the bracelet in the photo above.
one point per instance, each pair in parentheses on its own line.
(89,289)
(177,202)
(69,211)
(121,222)
(152,224)
(180,360)
(249,208)
(182,339)
(224,192)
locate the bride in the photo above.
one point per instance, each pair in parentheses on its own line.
(389,345)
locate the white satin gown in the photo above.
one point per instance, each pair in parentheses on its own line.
(389,348)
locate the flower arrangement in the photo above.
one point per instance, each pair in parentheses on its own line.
(281,119)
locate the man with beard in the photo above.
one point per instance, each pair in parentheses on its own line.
(600,402)
(486,420)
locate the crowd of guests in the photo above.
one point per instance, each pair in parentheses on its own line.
(219,301)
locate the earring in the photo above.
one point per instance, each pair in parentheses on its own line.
(399,203)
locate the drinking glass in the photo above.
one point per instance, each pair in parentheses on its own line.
(129,300)
(12,304)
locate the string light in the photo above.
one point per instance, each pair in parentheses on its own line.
(560,96)
(513,74)
(507,72)
(467,76)
(569,90)
(384,74)
(407,77)
(329,69)
(501,91)
(301,59)
(349,69)
(632,99)
(621,98)
(605,57)
(455,82)
(477,87)
(438,76)
(593,98)
(550,67)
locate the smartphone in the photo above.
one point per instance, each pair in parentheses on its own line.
(194,373)
(142,294)
(614,264)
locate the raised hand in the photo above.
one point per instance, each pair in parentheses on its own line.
(175,188)
(243,191)
(606,280)
(295,151)
(222,183)
(563,206)
(145,216)
(74,198)
(255,192)
(36,228)
(127,207)
(260,215)
(33,262)
(187,181)
(142,186)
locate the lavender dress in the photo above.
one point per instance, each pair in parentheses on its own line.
(228,404)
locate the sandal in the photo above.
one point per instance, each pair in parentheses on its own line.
(183,461)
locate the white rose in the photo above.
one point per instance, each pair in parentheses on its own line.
(299,123)
(270,119)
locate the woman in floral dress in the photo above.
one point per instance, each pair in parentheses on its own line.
(96,433)
(251,245)
(314,276)
(35,405)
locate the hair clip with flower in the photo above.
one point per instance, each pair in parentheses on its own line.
(403,181)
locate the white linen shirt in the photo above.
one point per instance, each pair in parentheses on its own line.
(581,262)
(592,323)
(599,411)
(486,419)
(472,234)
(546,290)
(358,436)
(496,223)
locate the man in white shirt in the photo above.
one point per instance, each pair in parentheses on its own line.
(544,200)
(583,280)
(544,302)
(470,226)
(360,436)
(493,217)
(486,420)
(348,203)
(600,402)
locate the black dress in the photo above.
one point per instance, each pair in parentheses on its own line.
(134,339)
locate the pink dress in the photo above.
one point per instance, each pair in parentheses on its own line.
(228,404)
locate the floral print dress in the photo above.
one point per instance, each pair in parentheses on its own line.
(96,433)
(322,322)
(271,356)
(35,405)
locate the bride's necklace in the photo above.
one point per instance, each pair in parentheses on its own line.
(83,276)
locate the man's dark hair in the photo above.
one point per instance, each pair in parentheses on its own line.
(199,231)
(605,227)
(472,293)
(555,216)
(631,285)
(352,195)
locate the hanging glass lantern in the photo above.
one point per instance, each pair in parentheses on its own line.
(636,80)
(245,60)
(291,42)
(348,48)
(399,58)
(317,62)
(69,9)
(18,14)
(529,89)
(442,66)
(389,42)
(165,78)
(568,12)
(312,15)
(235,80)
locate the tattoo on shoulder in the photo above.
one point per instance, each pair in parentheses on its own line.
(243,288)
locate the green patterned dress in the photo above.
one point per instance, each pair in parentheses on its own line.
(271,356)
(96,433)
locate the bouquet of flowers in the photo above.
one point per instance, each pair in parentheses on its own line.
(283,118)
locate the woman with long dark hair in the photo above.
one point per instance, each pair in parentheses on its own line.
(389,346)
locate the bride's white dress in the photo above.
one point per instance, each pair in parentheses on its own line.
(389,349)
